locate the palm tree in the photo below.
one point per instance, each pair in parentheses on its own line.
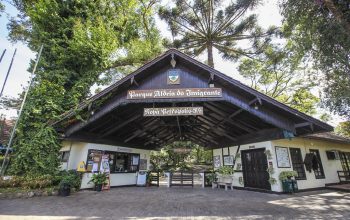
(201,25)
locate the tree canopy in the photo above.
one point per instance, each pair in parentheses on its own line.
(280,72)
(201,25)
(82,40)
(180,155)
(321,30)
(343,129)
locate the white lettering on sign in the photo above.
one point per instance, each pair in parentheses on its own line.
(173,111)
(175,93)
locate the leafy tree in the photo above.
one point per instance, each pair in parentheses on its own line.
(201,155)
(8,102)
(279,73)
(180,155)
(82,41)
(325,117)
(2,8)
(343,128)
(321,30)
(202,25)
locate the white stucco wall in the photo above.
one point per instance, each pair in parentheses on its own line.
(233,150)
(330,166)
(79,151)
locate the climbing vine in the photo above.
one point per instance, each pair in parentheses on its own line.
(84,45)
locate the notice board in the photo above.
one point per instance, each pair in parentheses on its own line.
(282,157)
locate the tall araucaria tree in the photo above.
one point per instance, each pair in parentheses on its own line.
(202,25)
(82,40)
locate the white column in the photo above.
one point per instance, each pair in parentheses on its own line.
(203,179)
(167,174)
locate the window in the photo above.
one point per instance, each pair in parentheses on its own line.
(297,162)
(64,156)
(318,168)
(93,160)
(331,155)
(126,162)
(345,160)
(118,162)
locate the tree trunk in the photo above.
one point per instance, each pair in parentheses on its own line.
(210,55)
(339,16)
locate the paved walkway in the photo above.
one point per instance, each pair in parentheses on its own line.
(342,187)
(179,203)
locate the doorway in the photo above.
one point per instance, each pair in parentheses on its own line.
(254,164)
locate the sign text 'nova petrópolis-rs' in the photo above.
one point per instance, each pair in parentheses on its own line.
(172,111)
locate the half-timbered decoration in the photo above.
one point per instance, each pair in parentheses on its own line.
(175,97)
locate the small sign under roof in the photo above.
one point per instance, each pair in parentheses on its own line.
(173,111)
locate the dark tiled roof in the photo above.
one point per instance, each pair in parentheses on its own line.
(329,136)
(5,130)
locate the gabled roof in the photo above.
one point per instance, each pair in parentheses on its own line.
(270,110)
(329,136)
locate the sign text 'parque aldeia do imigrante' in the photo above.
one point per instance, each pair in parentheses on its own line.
(175,93)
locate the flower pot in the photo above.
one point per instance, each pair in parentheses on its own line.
(98,187)
(64,190)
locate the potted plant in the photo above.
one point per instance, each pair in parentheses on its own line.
(288,185)
(149,179)
(65,186)
(287,175)
(210,178)
(225,172)
(99,179)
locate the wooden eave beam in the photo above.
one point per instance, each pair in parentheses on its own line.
(228,119)
(195,139)
(112,130)
(263,113)
(262,135)
(142,129)
(221,132)
(133,81)
(203,137)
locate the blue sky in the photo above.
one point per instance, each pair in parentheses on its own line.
(18,76)
(268,14)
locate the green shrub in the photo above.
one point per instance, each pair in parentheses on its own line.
(285,174)
(27,182)
(71,177)
(225,170)
(37,182)
(98,178)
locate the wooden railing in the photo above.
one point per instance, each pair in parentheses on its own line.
(154,178)
(181,179)
(344,176)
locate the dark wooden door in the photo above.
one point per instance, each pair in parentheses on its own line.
(254,166)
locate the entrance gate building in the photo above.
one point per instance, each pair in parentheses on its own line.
(175,97)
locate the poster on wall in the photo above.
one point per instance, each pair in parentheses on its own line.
(228,160)
(104,168)
(216,160)
(282,157)
(143,164)
(94,167)
(135,160)
(93,160)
